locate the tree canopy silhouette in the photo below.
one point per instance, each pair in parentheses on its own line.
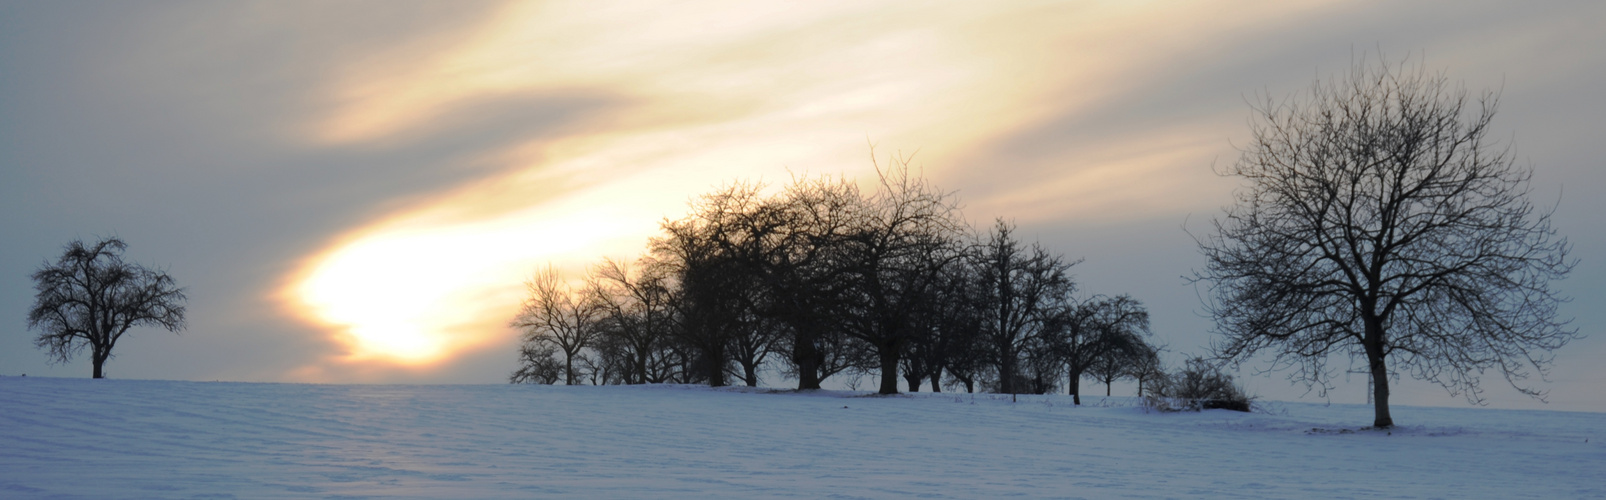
(823,278)
(90,298)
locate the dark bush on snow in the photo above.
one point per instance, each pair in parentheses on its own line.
(1201,385)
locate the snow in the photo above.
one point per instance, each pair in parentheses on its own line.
(79,438)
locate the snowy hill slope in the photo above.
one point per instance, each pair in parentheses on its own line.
(77,438)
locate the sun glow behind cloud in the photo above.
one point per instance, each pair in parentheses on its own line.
(706,93)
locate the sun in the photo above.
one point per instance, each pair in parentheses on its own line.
(384,294)
(416,290)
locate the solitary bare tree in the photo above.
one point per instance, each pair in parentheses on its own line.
(554,315)
(91,298)
(1380,222)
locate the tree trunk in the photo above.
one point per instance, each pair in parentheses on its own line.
(1076,388)
(1006,375)
(889,368)
(1107,384)
(808,374)
(1380,396)
(1380,393)
(807,357)
(936,379)
(568,368)
(913,380)
(1380,373)
(714,364)
(641,367)
(98,360)
(750,374)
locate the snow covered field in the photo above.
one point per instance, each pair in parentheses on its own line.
(79,438)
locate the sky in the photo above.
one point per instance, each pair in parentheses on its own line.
(353,191)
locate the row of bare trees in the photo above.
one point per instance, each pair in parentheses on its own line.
(822,278)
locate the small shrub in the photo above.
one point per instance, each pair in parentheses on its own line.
(1199,386)
(538,364)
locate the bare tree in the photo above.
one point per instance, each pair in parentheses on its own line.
(800,264)
(1084,333)
(1380,222)
(91,298)
(1019,289)
(895,260)
(638,304)
(758,339)
(1129,356)
(1147,366)
(554,314)
(709,253)
(956,324)
(954,330)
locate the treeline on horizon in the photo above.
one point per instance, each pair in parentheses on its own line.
(822,278)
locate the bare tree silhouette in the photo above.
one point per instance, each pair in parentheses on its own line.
(90,298)
(555,315)
(1380,222)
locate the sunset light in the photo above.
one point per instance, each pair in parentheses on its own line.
(412,296)
(692,97)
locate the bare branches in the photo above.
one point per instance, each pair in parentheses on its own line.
(638,313)
(834,280)
(894,259)
(1378,220)
(553,315)
(1083,334)
(1021,288)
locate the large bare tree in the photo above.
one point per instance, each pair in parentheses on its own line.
(90,298)
(800,263)
(1380,222)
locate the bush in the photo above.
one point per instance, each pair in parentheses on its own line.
(538,364)
(1199,386)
